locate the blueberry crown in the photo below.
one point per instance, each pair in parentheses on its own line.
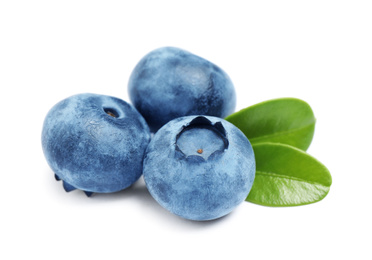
(201,140)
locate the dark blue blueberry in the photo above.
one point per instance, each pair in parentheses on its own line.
(95,143)
(199,167)
(169,82)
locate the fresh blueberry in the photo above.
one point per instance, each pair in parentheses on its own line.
(169,82)
(95,143)
(199,167)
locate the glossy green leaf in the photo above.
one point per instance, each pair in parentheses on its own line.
(285,120)
(287,176)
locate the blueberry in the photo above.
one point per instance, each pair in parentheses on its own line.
(169,82)
(199,167)
(95,143)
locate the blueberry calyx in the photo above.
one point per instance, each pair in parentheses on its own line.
(201,140)
(111,112)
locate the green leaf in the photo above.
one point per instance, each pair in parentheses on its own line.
(287,176)
(285,120)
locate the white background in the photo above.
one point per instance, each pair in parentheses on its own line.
(318,51)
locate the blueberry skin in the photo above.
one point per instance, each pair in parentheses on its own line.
(95,143)
(196,186)
(170,82)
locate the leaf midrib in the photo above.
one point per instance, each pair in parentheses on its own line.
(255,139)
(271,174)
